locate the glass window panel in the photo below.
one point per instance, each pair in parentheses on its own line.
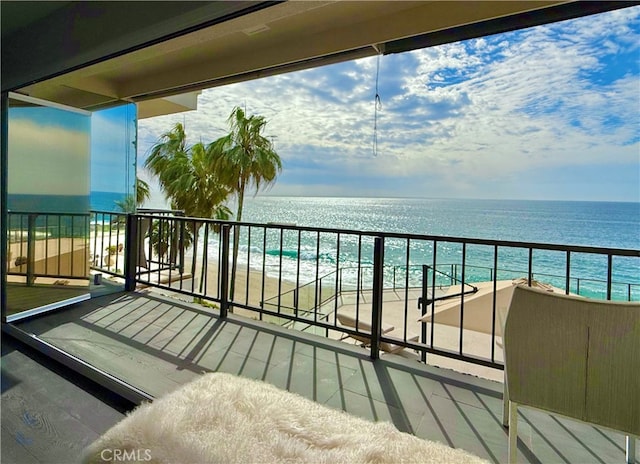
(113,158)
(48,203)
(113,188)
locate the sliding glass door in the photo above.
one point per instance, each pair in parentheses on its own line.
(48,191)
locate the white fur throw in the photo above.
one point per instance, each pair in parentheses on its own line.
(220,418)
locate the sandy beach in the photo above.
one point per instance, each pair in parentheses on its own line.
(54,256)
(252,287)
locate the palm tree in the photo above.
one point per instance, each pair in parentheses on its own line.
(130,203)
(127,204)
(187,177)
(142,191)
(243,159)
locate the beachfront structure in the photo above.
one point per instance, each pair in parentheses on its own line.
(94,68)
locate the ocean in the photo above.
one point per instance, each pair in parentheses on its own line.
(593,224)
(106,201)
(598,224)
(72,204)
(75,204)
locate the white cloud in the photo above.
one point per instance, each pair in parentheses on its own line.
(492,108)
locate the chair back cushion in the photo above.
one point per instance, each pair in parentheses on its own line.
(574,356)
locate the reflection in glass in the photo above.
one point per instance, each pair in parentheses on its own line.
(113,158)
(113,183)
(48,203)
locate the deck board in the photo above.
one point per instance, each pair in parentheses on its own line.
(157,343)
(47,415)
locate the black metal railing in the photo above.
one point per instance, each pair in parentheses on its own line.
(109,237)
(584,286)
(107,242)
(51,245)
(300,276)
(307,278)
(392,276)
(161,212)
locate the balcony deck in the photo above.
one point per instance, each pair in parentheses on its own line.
(157,343)
(49,414)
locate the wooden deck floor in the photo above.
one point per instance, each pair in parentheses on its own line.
(48,414)
(156,344)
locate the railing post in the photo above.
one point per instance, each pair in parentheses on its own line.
(567,274)
(425,298)
(182,248)
(224,271)
(131,253)
(609,275)
(4,213)
(394,277)
(31,248)
(377,293)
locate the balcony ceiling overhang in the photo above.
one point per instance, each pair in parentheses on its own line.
(207,44)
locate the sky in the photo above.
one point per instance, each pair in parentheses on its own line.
(113,149)
(546,113)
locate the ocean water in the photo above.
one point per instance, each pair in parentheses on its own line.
(73,204)
(593,224)
(106,201)
(599,224)
(76,204)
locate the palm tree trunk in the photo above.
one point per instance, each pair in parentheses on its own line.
(236,242)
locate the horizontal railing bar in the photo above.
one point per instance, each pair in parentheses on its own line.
(50,276)
(348,331)
(442,352)
(47,213)
(537,245)
(162,212)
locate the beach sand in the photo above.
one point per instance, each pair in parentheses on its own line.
(60,256)
(252,287)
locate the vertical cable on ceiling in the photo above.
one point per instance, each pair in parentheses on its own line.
(377,107)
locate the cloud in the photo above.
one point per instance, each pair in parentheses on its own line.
(458,116)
